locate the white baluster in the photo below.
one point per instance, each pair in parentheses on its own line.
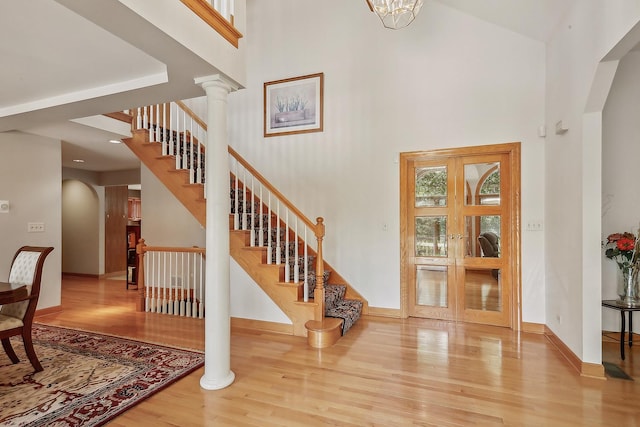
(296,259)
(287,267)
(201,305)
(244,199)
(172,138)
(236,217)
(178,142)
(261,237)
(180,300)
(278,229)
(269,228)
(191,162)
(306,267)
(189,298)
(138,118)
(154,283)
(157,132)
(147,291)
(253,214)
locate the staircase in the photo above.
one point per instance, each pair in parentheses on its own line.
(268,235)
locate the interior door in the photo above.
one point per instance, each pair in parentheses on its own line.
(457,251)
(115,229)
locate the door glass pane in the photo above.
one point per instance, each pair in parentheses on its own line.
(431,285)
(431,236)
(482,290)
(482,184)
(482,236)
(431,186)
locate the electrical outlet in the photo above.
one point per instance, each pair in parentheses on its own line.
(35,227)
(534,225)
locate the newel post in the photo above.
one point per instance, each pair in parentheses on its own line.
(318,293)
(140,251)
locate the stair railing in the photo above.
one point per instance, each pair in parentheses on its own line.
(219,14)
(275,223)
(181,132)
(171,280)
(257,206)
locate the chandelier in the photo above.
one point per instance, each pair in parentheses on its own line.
(395,14)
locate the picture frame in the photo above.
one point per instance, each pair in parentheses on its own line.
(294,105)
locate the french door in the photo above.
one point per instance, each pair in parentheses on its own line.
(460,211)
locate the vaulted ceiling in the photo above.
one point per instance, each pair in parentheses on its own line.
(60,63)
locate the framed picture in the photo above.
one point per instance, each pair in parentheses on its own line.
(293,105)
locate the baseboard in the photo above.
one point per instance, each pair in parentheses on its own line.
(384,312)
(262,325)
(590,370)
(533,328)
(112,274)
(92,276)
(47,311)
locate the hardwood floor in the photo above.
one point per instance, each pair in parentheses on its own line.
(384,372)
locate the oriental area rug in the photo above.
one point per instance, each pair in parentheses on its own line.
(88,378)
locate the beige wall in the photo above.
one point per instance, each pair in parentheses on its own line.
(80,228)
(30,178)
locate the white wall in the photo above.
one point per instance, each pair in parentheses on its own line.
(572,217)
(31,180)
(620,148)
(165,221)
(448,80)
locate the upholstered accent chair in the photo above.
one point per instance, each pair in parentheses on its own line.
(489,244)
(17,318)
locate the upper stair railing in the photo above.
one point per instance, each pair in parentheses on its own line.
(256,205)
(180,131)
(219,15)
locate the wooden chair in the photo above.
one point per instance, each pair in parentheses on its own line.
(17,318)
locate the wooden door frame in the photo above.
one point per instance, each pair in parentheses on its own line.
(513,152)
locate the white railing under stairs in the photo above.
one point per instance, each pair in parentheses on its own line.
(256,205)
(172,279)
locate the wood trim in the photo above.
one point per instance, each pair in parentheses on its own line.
(385,312)
(173,249)
(93,276)
(215,20)
(193,115)
(48,310)
(590,370)
(119,115)
(533,328)
(261,325)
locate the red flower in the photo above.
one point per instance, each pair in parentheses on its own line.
(626,244)
(614,237)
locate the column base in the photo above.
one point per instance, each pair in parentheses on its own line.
(209,384)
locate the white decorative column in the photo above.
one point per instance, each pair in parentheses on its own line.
(217,329)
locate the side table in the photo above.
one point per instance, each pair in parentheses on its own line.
(623,308)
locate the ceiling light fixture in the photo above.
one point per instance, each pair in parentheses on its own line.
(115,141)
(78,160)
(395,14)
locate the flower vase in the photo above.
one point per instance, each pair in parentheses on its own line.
(628,286)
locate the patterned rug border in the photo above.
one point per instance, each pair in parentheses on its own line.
(144,373)
(159,344)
